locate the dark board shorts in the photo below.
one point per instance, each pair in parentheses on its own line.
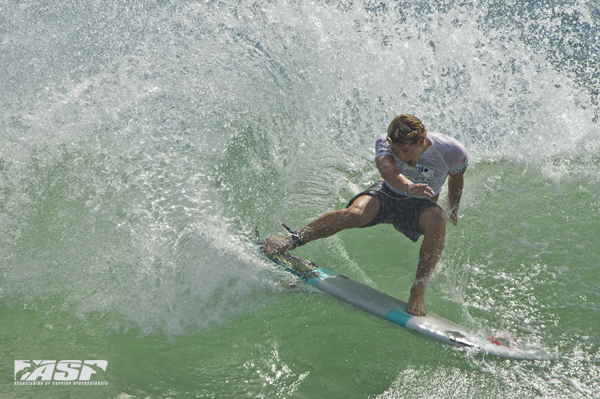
(401,211)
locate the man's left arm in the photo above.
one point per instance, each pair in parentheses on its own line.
(455,189)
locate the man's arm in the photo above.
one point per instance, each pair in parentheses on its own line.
(391,174)
(455,189)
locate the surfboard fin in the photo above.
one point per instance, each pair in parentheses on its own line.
(459,338)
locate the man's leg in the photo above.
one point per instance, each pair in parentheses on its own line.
(433,224)
(362,211)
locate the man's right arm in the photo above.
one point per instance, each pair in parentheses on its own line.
(386,164)
(389,171)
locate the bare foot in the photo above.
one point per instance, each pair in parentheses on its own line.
(273,245)
(417,309)
(416,302)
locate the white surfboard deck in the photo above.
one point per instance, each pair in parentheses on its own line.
(395,310)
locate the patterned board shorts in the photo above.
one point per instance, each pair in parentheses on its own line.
(399,210)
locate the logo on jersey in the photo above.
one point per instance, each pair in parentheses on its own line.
(426,171)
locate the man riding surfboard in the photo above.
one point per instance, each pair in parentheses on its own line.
(414,165)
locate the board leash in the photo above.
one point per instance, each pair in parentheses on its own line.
(258,240)
(296,240)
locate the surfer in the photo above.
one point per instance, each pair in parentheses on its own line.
(414,165)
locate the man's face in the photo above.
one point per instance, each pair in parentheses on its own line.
(409,154)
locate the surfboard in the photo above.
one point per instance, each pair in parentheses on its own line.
(395,310)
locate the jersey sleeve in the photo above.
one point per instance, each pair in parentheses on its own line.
(382,147)
(458,159)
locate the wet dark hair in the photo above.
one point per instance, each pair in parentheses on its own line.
(405,130)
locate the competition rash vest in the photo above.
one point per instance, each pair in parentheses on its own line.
(444,156)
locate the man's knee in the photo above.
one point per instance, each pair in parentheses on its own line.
(433,220)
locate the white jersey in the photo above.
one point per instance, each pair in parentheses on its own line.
(444,156)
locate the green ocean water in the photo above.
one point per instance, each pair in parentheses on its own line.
(141,144)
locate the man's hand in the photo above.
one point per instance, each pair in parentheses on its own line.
(420,190)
